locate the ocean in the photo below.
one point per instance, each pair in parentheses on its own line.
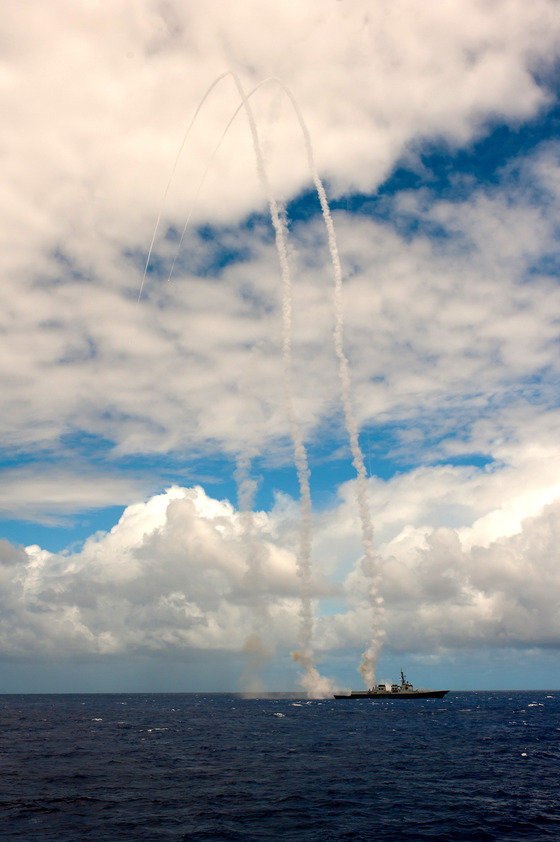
(471,766)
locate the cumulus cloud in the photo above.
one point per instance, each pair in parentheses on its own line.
(503,595)
(442,597)
(172,574)
(172,577)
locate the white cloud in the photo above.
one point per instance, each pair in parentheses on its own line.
(431,328)
(100,93)
(98,98)
(451,336)
(173,576)
(48,494)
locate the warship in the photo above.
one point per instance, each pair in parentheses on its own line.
(404,690)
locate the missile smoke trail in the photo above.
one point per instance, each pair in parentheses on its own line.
(246,489)
(253,648)
(312,681)
(173,169)
(208,165)
(256,652)
(369,565)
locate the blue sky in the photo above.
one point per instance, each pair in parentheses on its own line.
(150,504)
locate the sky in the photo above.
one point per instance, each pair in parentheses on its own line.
(151,512)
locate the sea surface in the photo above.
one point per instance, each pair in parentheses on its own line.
(470,766)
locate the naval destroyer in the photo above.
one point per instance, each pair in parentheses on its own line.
(404,690)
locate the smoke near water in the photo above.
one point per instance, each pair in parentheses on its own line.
(369,563)
(315,684)
(257,655)
(304,656)
(255,650)
(312,681)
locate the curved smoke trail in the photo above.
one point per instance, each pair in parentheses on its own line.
(207,168)
(369,565)
(173,169)
(314,683)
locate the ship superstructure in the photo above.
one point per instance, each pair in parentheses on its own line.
(404,690)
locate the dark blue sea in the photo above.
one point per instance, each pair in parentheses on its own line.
(220,767)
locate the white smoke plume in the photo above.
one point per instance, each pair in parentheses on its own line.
(317,686)
(369,563)
(257,655)
(300,454)
(312,679)
(256,651)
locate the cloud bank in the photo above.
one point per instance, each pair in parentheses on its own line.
(173,577)
(451,311)
(99,98)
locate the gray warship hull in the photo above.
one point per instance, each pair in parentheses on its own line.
(372,694)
